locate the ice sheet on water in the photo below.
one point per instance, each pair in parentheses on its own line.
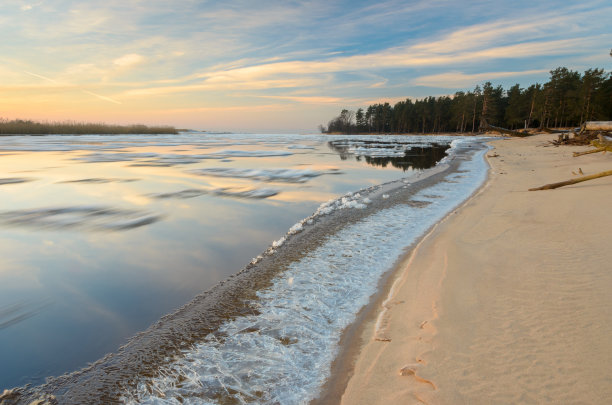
(99,180)
(160,160)
(255,193)
(101,157)
(183,194)
(84,218)
(300,146)
(144,159)
(68,143)
(247,153)
(283,353)
(101,143)
(268,175)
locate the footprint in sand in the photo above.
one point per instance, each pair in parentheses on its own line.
(410,371)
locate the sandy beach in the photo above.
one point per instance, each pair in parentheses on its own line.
(507,300)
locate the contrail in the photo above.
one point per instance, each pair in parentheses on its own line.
(110,100)
(42,77)
(101,97)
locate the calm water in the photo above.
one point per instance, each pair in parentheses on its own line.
(100,236)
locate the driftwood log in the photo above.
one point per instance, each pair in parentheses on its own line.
(572,181)
(596,126)
(487,127)
(576,154)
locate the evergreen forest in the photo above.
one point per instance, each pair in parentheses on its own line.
(566,100)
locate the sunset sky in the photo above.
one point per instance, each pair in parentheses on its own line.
(274,66)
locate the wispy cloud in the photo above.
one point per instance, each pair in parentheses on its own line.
(229,109)
(223,83)
(456,80)
(398,57)
(129,60)
(309,99)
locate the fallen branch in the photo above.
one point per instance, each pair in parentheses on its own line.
(589,151)
(573,181)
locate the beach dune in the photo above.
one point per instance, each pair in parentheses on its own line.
(506,301)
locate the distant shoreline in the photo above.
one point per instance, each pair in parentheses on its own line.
(28,127)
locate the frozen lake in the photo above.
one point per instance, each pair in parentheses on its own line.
(100,236)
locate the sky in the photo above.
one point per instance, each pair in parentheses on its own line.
(277,66)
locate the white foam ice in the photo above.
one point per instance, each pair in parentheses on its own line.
(296,228)
(283,354)
(349,200)
(279,243)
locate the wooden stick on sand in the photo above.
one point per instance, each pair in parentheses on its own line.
(573,181)
(589,151)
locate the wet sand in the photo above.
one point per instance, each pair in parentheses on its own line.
(506,301)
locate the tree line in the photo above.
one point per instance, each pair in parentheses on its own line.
(566,100)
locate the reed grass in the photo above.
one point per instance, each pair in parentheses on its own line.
(28,127)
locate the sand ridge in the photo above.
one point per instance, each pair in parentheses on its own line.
(507,300)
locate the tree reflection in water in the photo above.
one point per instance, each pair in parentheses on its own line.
(398,155)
